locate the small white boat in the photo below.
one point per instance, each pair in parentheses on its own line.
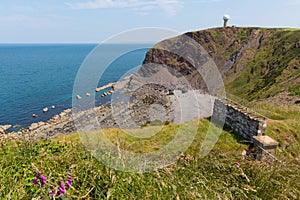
(53,107)
(34,115)
(45,109)
(78,97)
(87,94)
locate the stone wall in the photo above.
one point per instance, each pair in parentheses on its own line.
(240,120)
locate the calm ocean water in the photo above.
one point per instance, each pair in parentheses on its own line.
(37,76)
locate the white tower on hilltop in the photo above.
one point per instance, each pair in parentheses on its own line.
(226,19)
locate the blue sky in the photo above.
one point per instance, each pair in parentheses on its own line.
(91,21)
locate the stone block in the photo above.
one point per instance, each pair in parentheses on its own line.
(265,147)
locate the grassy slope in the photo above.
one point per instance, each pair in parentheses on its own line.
(211,177)
(255,62)
(271,67)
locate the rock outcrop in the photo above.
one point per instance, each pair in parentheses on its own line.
(4,128)
(255,63)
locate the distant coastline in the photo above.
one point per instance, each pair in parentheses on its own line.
(42,75)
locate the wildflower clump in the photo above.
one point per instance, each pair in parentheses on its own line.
(41,180)
(53,189)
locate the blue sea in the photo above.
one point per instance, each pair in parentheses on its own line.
(34,76)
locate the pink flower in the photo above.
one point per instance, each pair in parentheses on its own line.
(53,193)
(70,181)
(61,189)
(237,164)
(35,182)
(43,179)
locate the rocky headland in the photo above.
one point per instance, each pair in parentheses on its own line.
(255,64)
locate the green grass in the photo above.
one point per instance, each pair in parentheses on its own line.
(285,128)
(211,177)
(271,69)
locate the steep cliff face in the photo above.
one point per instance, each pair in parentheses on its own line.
(255,63)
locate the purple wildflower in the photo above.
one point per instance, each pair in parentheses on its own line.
(70,181)
(43,179)
(61,189)
(53,192)
(35,182)
(237,164)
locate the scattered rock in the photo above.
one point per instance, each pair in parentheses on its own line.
(4,128)
(284,98)
(55,117)
(41,123)
(33,126)
(62,114)
(68,110)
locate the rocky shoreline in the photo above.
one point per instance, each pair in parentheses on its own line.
(150,103)
(4,128)
(62,123)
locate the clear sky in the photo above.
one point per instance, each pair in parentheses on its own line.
(91,21)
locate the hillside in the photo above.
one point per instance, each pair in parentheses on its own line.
(256,63)
(214,177)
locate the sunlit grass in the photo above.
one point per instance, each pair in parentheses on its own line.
(192,177)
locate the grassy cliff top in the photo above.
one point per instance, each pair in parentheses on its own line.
(191,177)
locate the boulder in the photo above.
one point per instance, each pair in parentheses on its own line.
(62,114)
(41,123)
(55,117)
(68,110)
(33,126)
(4,128)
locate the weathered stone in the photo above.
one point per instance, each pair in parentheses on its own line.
(67,110)
(33,126)
(41,123)
(55,117)
(62,114)
(240,121)
(266,147)
(4,128)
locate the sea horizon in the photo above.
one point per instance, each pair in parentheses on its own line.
(38,75)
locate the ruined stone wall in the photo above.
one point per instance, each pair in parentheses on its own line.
(240,120)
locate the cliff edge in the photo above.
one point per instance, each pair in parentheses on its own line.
(255,63)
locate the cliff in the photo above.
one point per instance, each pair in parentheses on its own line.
(255,63)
